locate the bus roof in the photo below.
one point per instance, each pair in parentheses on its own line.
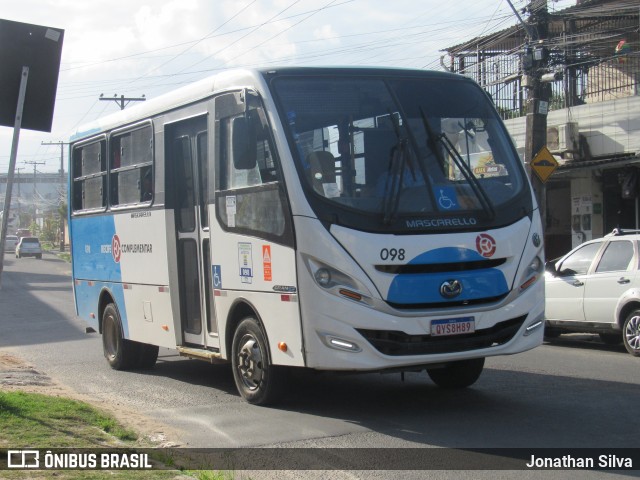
(230,79)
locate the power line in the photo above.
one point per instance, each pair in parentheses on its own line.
(197,42)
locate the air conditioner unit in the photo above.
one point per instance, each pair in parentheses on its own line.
(563,138)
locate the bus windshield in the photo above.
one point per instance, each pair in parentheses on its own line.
(402,153)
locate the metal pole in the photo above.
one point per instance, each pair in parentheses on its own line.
(12,164)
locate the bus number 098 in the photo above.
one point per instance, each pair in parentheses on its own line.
(392,254)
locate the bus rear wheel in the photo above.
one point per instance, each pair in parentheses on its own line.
(258,381)
(460,374)
(121,354)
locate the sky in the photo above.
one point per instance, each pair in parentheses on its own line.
(148,47)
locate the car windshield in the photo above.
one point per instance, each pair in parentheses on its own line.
(399,153)
(30,240)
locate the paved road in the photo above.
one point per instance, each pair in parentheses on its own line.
(573,393)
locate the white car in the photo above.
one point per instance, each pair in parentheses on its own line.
(595,288)
(10,243)
(29,247)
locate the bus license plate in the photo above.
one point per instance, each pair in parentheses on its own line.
(453,326)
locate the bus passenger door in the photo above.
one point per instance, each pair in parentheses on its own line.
(187,174)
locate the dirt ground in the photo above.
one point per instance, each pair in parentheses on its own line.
(16,374)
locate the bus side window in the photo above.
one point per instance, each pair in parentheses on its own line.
(89,176)
(131,174)
(256,191)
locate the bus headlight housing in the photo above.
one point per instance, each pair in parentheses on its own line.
(532,273)
(337,282)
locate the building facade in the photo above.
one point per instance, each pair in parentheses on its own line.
(586,68)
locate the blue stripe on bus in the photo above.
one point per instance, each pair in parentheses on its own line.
(87,300)
(91,249)
(425,287)
(93,261)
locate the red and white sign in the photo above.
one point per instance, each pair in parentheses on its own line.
(266,262)
(486,245)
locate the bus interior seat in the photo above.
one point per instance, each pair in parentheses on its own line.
(322,169)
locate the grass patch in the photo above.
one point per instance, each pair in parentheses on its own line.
(48,247)
(31,420)
(39,421)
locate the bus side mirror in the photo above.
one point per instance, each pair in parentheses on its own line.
(244,143)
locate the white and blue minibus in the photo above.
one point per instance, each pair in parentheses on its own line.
(339,219)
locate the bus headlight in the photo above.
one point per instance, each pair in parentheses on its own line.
(536,265)
(323,277)
(532,273)
(337,282)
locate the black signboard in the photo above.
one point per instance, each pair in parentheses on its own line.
(40,49)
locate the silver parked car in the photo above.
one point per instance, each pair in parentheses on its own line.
(29,247)
(595,288)
(10,243)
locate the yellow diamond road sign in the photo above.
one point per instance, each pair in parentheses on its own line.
(544,164)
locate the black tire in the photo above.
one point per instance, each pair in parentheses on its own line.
(258,382)
(460,374)
(39,257)
(611,338)
(631,333)
(148,356)
(121,354)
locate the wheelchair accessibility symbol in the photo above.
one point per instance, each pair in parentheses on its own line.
(217,276)
(447,198)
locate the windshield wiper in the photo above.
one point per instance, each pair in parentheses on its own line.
(432,138)
(395,174)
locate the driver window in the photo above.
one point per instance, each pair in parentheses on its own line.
(580,261)
(248,200)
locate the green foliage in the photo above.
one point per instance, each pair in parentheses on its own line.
(30,420)
(35,229)
(51,229)
(34,420)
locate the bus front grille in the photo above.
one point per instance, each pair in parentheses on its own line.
(396,343)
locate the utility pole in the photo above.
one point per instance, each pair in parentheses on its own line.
(62,144)
(35,164)
(535,58)
(122,99)
(18,202)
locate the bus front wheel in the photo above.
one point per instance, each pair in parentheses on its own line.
(257,380)
(121,354)
(460,374)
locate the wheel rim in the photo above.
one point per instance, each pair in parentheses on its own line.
(250,362)
(110,336)
(632,333)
